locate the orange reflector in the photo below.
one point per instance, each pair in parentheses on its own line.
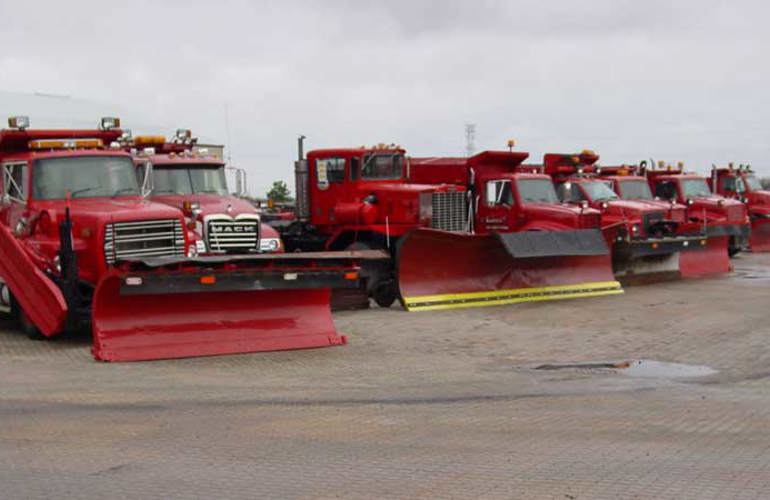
(654,245)
(352,275)
(208,280)
(703,242)
(65,143)
(191,225)
(149,140)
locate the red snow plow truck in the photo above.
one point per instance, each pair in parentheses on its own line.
(447,250)
(80,245)
(174,173)
(724,221)
(649,237)
(742,184)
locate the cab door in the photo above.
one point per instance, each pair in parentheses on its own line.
(494,206)
(328,187)
(15,192)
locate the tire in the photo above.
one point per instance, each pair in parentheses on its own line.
(734,247)
(24,323)
(385,293)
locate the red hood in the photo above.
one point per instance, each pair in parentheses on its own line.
(562,214)
(635,207)
(209,203)
(104,210)
(718,208)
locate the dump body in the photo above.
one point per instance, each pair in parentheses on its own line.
(742,184)
(80,245)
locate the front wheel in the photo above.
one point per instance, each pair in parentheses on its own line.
(385,293)
(25,324)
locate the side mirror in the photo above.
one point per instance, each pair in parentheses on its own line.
(147,183)
(240,182)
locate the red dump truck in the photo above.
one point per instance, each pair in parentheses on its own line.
(648,237)
(742,184)
(725,221)
(176,174)
(380,198)
(80,245)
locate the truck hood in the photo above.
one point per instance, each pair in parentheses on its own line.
(561,214)
(106,210)
(634,207)
(209,203)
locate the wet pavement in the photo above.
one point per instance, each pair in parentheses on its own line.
(663,392)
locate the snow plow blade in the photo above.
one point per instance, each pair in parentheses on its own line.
(759,240)
(711,259)
(172,308)
(38,296)
(442,270)
(653,260)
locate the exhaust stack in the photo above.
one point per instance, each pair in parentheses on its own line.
(301,181)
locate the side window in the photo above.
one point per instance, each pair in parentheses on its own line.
(15,181)
(499,193)
(329,170)
(665,190)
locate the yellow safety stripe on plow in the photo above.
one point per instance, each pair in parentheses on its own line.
(500,297)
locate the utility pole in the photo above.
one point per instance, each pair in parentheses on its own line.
(470,139)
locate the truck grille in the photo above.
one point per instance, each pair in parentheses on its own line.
(449,211)
(140,239)
(224,234)
(736,213)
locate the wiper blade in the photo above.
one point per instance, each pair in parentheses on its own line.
(123,190)
(73,194)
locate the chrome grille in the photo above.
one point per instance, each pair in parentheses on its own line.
(232,235)
(449,211)
(140,239)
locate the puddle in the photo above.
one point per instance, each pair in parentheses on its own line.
(641,368)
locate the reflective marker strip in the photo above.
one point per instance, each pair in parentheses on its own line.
(500,297)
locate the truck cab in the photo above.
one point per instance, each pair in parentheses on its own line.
(52,175)
(742,184)
(716,214)
(194,182)
(367,196)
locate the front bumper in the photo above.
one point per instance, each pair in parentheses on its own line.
(658,246)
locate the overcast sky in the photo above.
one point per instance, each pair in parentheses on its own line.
(673,80)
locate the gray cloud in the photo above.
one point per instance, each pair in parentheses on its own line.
(681,80)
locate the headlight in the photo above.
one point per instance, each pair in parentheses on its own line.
(269,244)
(635,229)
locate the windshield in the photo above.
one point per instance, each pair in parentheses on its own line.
(599,191)
(753,182)
(189,179)
(84,177)
(382,167)
(536,191)
(636,189)
(695,188)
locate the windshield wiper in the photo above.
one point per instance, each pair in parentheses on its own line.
(73,194)
(123,190)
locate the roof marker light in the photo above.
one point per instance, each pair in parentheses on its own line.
(18,122)
(109,123)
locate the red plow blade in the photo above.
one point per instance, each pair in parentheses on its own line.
(711,259)
(162,314)
(759,241)
(442,270)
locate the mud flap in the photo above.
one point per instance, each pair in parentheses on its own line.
(161,314)
(711,259)
(442,270)
(759,240)
(38,295)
